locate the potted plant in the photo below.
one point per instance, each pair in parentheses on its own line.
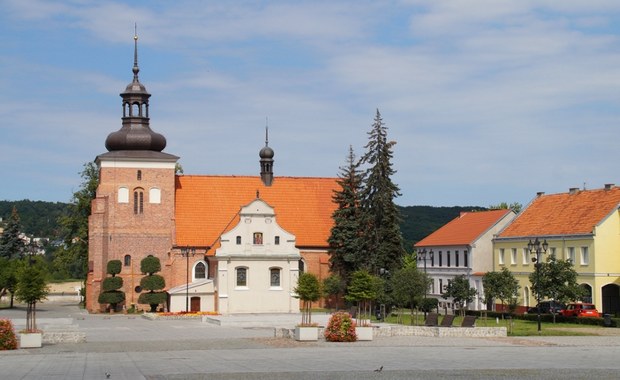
(30,289)
(363,289)
(340,328)
(308,290)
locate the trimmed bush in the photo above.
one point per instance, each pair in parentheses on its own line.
(153,298)
(8,341)
(150,265)
(114,267)
(152,282)
(340,328)
(112,283)
(113,297)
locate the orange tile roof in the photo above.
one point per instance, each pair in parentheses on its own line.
(564,214)
(206,206)
(464,229)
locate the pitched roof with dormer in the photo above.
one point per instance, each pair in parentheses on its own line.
(464,229)
(574,213)
(207,206)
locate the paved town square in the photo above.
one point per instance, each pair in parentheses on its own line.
(131,347)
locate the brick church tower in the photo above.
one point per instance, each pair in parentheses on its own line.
(133,212)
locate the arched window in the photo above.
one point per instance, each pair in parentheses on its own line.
(127,261)
(138,201)
(200,271)
(238,240)
(123,195)
(242,276)
(274,276)
(155,195)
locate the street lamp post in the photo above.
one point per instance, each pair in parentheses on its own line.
(187,251)
(537,248)
(425,255)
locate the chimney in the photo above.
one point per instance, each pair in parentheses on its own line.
(540,194)
(609,186)
(573,190)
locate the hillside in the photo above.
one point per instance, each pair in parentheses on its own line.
(41,218)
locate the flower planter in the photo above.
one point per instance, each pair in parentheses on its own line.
(30,340)
(306,333)
(364,332)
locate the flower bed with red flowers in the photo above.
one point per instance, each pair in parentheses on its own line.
(179,315)
(8,340)
(340,328)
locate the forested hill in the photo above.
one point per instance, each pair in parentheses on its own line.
(41,218)
(421,221)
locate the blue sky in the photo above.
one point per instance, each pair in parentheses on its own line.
(489,101)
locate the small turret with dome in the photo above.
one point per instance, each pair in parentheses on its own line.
(266,161)
(135,133)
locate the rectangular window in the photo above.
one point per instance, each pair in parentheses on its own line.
(238,240)
(440,285)
(448,258)
(500,258)
(274,274)
(432,259)
(440,261)
(570,254)
(242,276)
(277,240)
(526,256)
(258,238)
(456,258)
(585,256)
(513,256)
(552,251)
(466,259)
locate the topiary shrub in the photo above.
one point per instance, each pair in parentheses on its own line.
(153,283)
(340,328)
(8,341)
(111,285)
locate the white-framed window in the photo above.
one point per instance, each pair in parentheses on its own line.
(123,195)
(500,257)
(242,277)
(513,256)
(440,285)
(200,271)
(585,256)
(448,258)
(570,254)
(456,258)
(155,195)
(466,259)
(526,256)
(274,277)
(258,238)
(552,251)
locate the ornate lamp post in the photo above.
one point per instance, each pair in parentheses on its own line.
(425,255)
(536,248)
(187,251)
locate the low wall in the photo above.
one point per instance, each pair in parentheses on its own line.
(399,330)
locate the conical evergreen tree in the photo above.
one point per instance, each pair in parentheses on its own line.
(345,238)
(383,242)
(11,246)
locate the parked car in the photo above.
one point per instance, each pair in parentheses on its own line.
(580,310)
(547,307)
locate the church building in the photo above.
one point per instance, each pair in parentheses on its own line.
(227,244)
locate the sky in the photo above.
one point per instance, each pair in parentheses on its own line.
(488,101)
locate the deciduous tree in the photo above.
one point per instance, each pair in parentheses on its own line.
(501,286)
(461,293)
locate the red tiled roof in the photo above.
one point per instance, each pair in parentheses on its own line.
(206,206)
(565,213)
(464,229)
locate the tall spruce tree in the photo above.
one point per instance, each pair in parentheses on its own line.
(383,242)
(345,239)
(11,245)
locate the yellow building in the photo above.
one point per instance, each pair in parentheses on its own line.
(582,226)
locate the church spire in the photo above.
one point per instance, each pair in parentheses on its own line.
(135,133)
(266,160)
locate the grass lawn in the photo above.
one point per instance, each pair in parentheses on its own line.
(515,327)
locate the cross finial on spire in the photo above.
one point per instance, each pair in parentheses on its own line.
(266,130)
(135,69)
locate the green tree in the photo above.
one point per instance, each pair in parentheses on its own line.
(11,245)
(461,293)
(558,281)
(8,277)
(380,219)
(334,286)
(408,287)
(363,289)
(152,282)
(30,289)
(73,257)
(345,238)
(111,285)
(308,290)
(501,286)
(514,206)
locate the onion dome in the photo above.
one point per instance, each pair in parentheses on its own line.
(135,133)
(266,161)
